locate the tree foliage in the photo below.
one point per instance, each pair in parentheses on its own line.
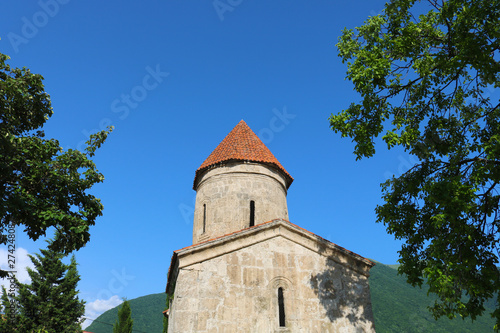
(42,186)
(428,76)
(165,317)
(124,322)
(50,302)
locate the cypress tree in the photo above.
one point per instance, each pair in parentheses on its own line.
(51,301)
(9,313)
(124,322)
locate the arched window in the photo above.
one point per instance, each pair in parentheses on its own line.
(281,307)
(204,217)
(252,213)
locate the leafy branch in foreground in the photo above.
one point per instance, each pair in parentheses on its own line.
(429,83)
(42,186)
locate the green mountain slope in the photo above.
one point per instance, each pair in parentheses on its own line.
(146,313)
(397,307)
(400,308)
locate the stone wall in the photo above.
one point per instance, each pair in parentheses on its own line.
(237,291)
(224,194)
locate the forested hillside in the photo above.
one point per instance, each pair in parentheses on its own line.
(400,308)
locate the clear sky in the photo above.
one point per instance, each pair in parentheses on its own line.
(174,77)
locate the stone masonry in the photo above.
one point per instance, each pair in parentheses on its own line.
(230,284)
(223,197)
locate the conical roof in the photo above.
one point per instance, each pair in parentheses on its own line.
(242,144)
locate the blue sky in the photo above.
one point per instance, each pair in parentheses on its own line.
(174,77)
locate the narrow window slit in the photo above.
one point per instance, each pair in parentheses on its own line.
(204,217)
(252,213)
(281,306)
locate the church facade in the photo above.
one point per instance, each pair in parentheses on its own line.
(250,269)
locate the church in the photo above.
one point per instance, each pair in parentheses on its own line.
(250,269)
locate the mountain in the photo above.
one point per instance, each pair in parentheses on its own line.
(146,313)
(397,307)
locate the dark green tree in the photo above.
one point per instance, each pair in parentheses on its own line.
(428,76)
(8,308)
(41,186)
(50,302)
(124,322)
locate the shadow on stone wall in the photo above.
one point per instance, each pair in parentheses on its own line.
(343,292)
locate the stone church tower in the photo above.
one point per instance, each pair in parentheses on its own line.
(251,270)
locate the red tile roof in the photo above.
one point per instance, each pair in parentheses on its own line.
(241,144)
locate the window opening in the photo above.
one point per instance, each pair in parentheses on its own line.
(204,217)
(281,306)
(252,213)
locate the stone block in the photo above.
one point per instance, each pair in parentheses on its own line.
(201,322)
(253,276)
(234,274)
(305,263)
(279,261)
(210,304)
